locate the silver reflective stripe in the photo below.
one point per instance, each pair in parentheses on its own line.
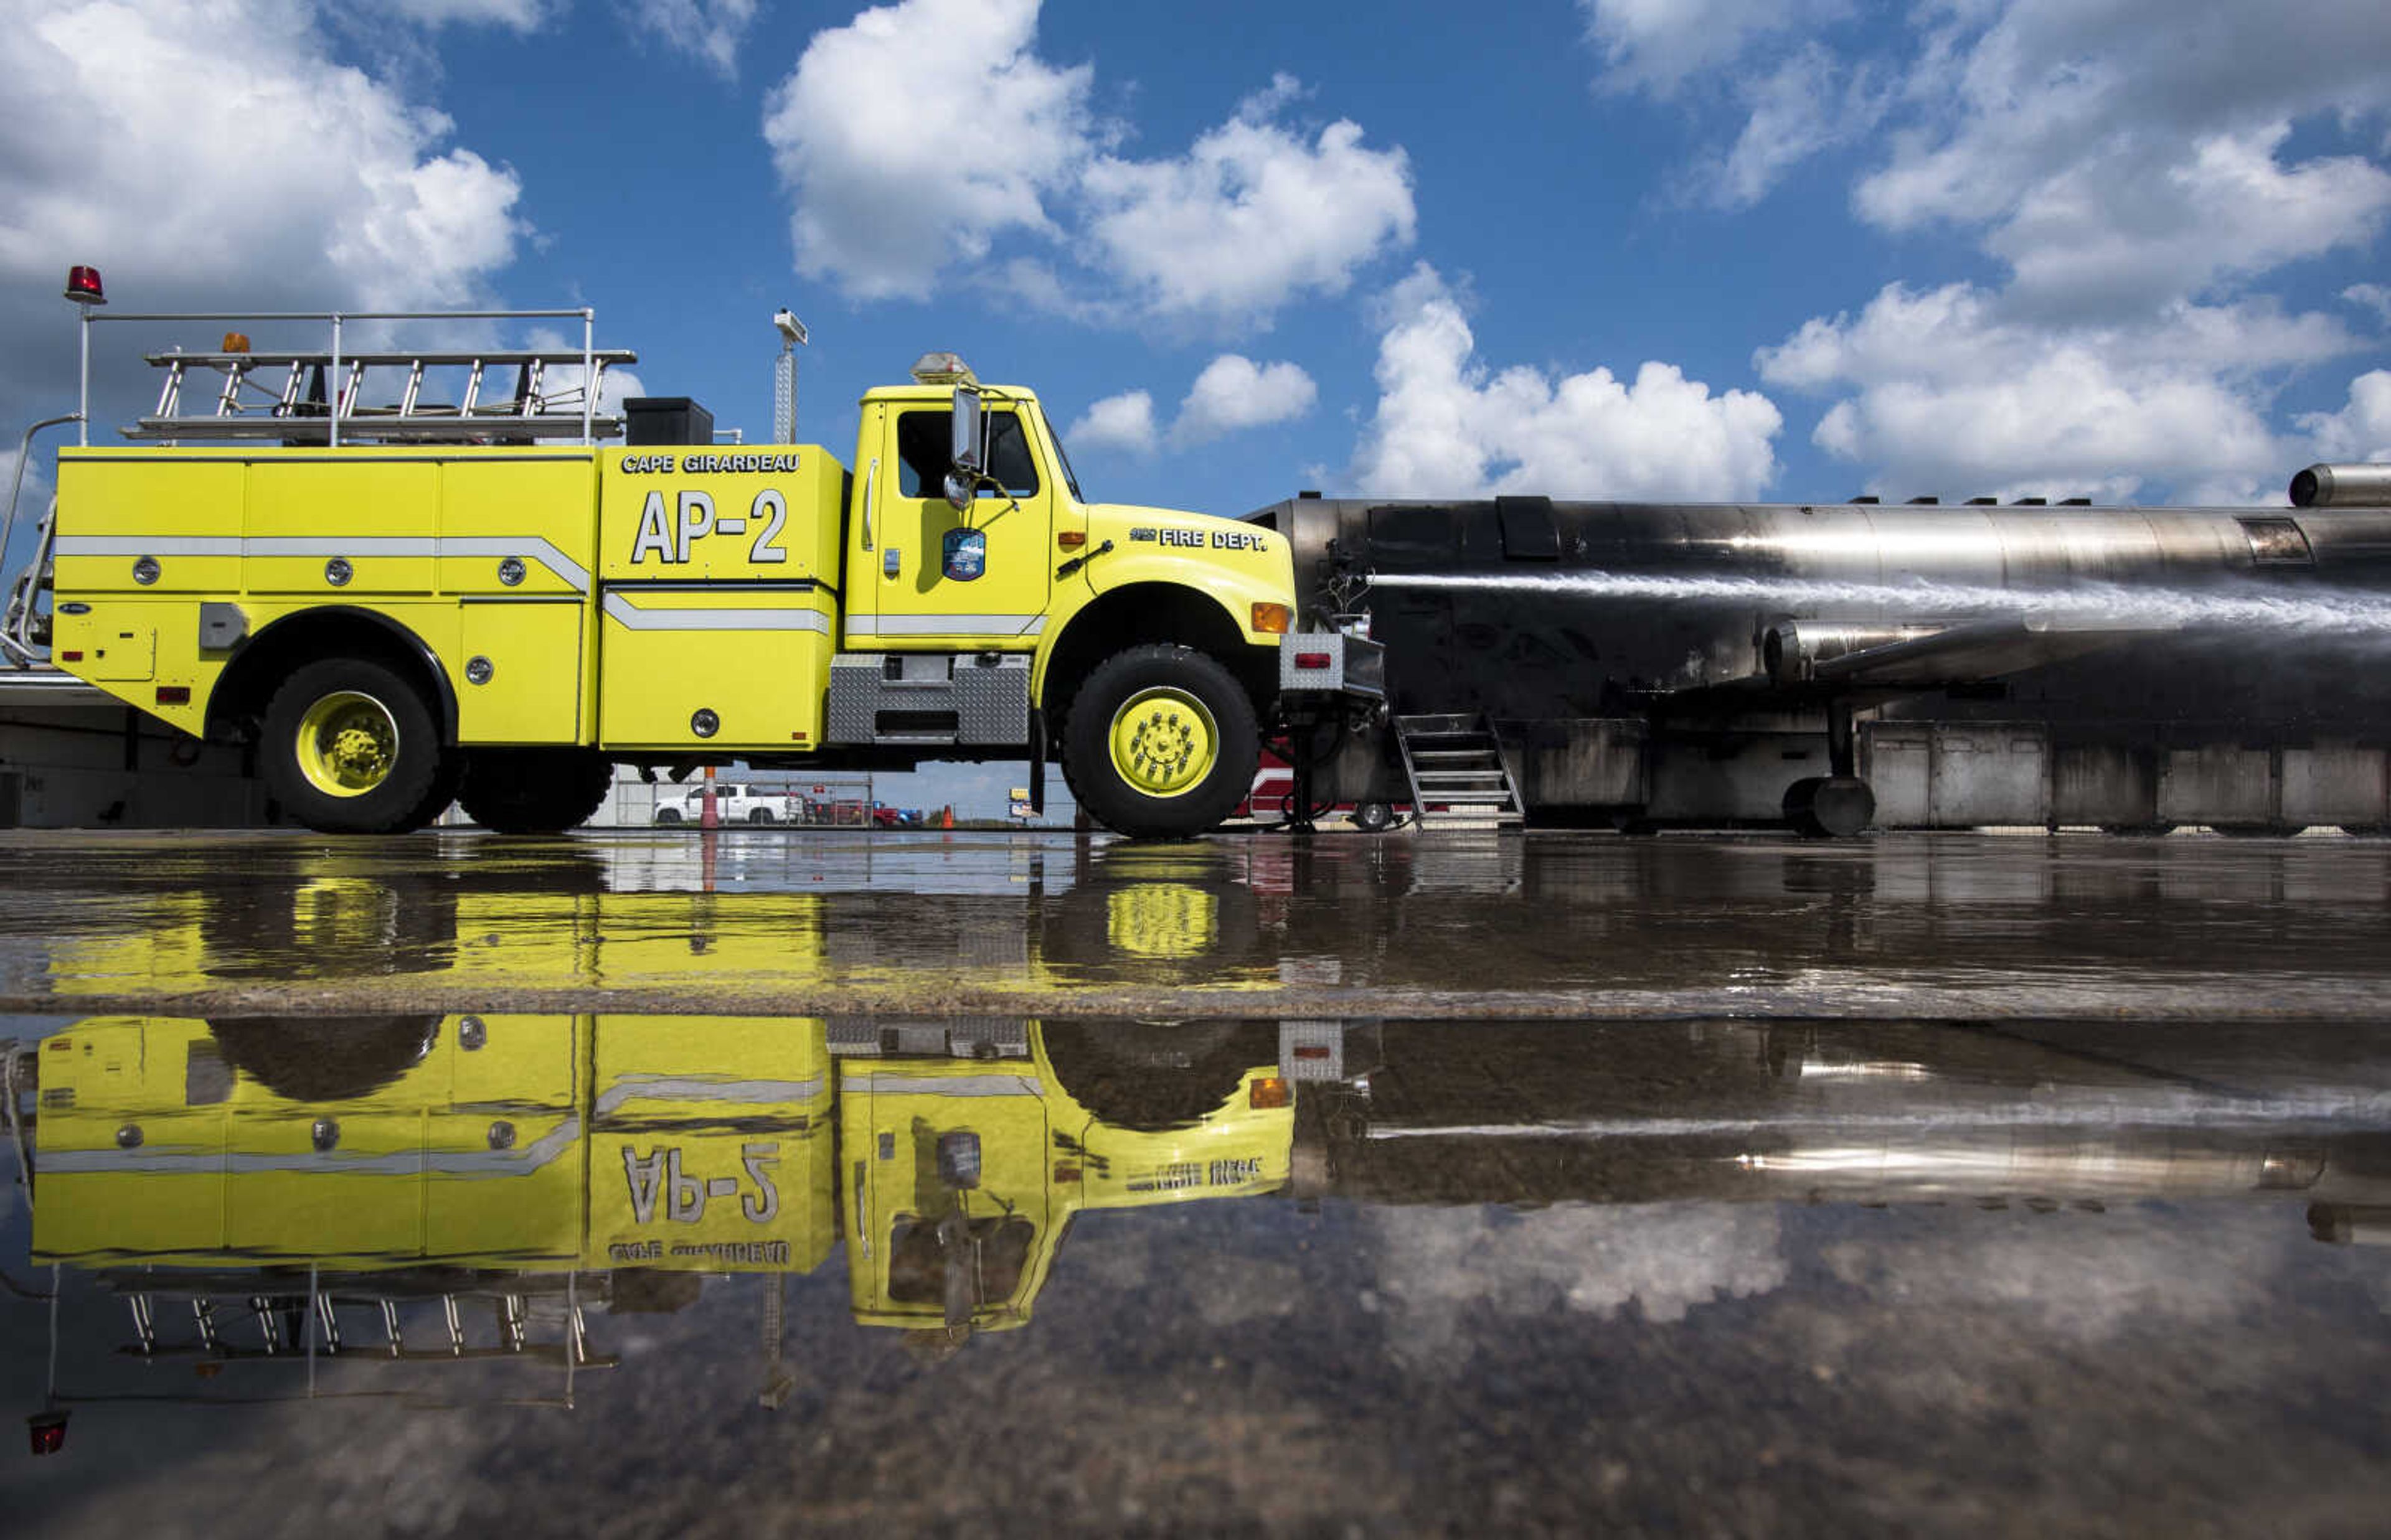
(896,1082)
(519,1162)
(685,1088)
(945,626)
(356,545)
(540,551)
(622,610)
(112,544)
(534,549)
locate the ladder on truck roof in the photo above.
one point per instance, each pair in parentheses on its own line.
(284,396)
(1458,776)
(308,396)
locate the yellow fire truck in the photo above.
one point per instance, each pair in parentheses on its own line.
(403,601)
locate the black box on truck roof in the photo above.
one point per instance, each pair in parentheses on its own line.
(665,419)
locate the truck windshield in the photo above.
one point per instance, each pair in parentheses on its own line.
(1063,461)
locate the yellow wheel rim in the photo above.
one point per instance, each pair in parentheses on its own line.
(1164,743)
(348,744)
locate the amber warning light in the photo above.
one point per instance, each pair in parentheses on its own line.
(83,287)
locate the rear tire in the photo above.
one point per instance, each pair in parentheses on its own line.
(760,816)
(1160,744)
(668,814)
(351,747)
(1373,817)
(534,790)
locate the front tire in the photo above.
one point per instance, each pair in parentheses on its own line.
(534,790)
(351,747)
(1160,744)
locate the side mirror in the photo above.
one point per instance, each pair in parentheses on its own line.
(970,433)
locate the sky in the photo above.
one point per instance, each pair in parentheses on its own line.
(1792,250)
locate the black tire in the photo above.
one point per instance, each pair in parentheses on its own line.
(1373,817)
(534,790)
(760,816)
(1829,807)
(325,1059)
(1121,679)
(668,814)
(399,800)
(445,782)
(1149,1076)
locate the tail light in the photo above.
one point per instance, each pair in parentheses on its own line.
(48,1429)
(1312,660)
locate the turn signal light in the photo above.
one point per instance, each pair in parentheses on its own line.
(83,287)
(1071,540)
(1272,619)
(1269,1091)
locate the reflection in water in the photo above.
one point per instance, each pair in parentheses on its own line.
(2082,913)
(467,1188)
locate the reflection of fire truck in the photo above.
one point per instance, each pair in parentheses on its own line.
(348,1181)
(409,1191)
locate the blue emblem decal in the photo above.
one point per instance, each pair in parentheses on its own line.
(966,554)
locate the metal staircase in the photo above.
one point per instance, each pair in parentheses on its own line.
(1458,774)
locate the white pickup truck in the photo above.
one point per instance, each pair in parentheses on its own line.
(733,803)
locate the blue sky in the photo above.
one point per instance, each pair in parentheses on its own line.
(1792,249)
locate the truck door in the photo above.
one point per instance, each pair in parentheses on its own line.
(928,577)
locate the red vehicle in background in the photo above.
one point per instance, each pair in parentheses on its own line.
(1271,799)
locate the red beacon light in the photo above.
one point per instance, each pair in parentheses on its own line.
(83,287)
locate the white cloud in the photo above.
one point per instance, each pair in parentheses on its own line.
(521,14)
(1810,102)
(1659,45)
(1445,426)
(1234,393)
(164,186)
(2117,149)
(1125,421)
(920,137)
(916,134)
(2371,296)
(1950,396)
(711,31)
(2360,431)
(361,200)
(1252,216)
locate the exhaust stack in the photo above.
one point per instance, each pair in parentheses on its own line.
(2341,486)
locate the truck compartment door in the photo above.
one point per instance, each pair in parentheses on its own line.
(531,689)
(728,667)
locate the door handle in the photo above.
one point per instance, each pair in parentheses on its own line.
(870,485)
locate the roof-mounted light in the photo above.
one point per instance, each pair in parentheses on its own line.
(943,368)
(83,287)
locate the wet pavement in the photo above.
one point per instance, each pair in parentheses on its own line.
(792,1183)
(1448,926)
